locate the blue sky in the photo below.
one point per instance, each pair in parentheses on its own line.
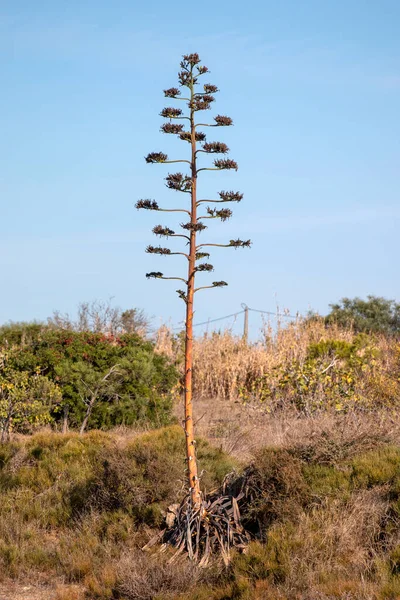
(314,91)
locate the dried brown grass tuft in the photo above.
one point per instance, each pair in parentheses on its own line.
(240,430)
(69,592)
(144,577)
(338,542)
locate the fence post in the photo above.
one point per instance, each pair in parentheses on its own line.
(246,322)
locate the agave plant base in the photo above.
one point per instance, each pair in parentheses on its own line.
(211,528)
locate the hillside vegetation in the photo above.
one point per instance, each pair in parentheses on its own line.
(324,516)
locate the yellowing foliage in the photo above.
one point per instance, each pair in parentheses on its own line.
(25,399)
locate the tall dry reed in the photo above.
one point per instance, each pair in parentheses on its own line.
(278,365)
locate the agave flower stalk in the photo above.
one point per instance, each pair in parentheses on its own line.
(196,101)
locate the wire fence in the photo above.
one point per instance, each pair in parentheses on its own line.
(277,315)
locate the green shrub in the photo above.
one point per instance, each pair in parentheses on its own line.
(326,480)
(378,467)
(145,476)
(376,314)
(263,561)
(76,362)
(275,490)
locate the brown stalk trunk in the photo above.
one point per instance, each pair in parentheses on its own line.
(88,413)
(188,392)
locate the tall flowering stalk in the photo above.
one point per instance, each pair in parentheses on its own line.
(184,125)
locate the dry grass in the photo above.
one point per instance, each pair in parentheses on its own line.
(145,577)
(240,430)
(224,363)
(70,506)
(338,542)
(278,372)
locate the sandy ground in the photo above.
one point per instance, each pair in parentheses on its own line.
(18,591)
(15,591)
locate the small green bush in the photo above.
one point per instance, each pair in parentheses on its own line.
(378,467)
(326,480)
(275,490)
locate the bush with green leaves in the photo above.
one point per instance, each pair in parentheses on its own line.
(375,314)
(26,400)
(110,379)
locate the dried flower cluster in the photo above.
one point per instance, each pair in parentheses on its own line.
(230,196)
(193,226)
(147,204)
(223,121)
(200,104)
(210,89)
(190,60)
(184,78)
(240,243)
(172,92)
(205,267)
(171,113)
(199,136)
(224,213)
(182,295)
(200,255)
(163,231)
(179,182)
(157,250)
(175,128)
(226,163)
(215,148)
(156,157)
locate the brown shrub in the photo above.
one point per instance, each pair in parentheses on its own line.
(69,592)
(144,577)
(274,489)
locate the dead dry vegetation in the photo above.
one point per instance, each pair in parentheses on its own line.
(242,430)
(305,367)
